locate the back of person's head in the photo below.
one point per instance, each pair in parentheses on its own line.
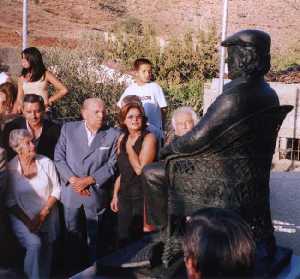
(141,61)
(131,99)
(10,92)
(36,64)
(34,98)
(218,244)
(124,111)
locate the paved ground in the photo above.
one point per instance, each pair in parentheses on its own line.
(285,204)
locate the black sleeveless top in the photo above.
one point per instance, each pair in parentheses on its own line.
(131,183)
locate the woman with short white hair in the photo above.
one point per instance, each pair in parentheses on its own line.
(183,120)
(33,190)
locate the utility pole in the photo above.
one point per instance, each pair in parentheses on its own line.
(25,25)
(222,53)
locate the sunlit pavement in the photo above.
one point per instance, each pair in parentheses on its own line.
(285,205)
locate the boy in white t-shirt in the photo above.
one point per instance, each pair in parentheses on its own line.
(149,92)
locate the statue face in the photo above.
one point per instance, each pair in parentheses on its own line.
(246,61)
(248,54)
(234,62)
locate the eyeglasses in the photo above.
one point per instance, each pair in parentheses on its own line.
(136,117)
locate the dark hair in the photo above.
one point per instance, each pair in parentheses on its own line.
(10,91)
(220,243)
(141,61)
(131,99)
(124,111)
(36,64)
(34,98)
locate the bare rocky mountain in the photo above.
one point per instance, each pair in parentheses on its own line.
(67,20)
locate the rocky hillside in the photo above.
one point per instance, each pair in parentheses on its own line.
(67,20)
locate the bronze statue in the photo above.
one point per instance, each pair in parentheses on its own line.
(225,160)
(248,62)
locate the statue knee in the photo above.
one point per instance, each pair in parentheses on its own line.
(154,172)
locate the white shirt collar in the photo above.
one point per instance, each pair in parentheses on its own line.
(90,135)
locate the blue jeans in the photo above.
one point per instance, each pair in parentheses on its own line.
(37,262)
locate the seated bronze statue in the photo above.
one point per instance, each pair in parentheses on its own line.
(225,160)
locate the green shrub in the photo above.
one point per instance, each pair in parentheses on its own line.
(194,56)
(181,67)
(78,72)
(186,94)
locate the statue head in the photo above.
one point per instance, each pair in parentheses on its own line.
(248,53)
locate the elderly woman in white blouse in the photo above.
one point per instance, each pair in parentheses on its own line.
(33,190)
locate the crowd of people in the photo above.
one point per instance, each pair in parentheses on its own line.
(80,168)
(63,179)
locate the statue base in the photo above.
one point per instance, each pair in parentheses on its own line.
(143,259)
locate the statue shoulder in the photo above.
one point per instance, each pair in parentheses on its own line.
(236,86)
(225,101)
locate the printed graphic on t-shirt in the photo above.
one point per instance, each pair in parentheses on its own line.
(145,98)
(153,100)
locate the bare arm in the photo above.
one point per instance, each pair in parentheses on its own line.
(19,102)
(114,205)
(45,211)
(117,186)
(60,90)
(55,192)
(146,156)
(50,203)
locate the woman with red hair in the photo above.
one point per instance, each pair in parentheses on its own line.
(136,148)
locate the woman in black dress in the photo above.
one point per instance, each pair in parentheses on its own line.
(136,148)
